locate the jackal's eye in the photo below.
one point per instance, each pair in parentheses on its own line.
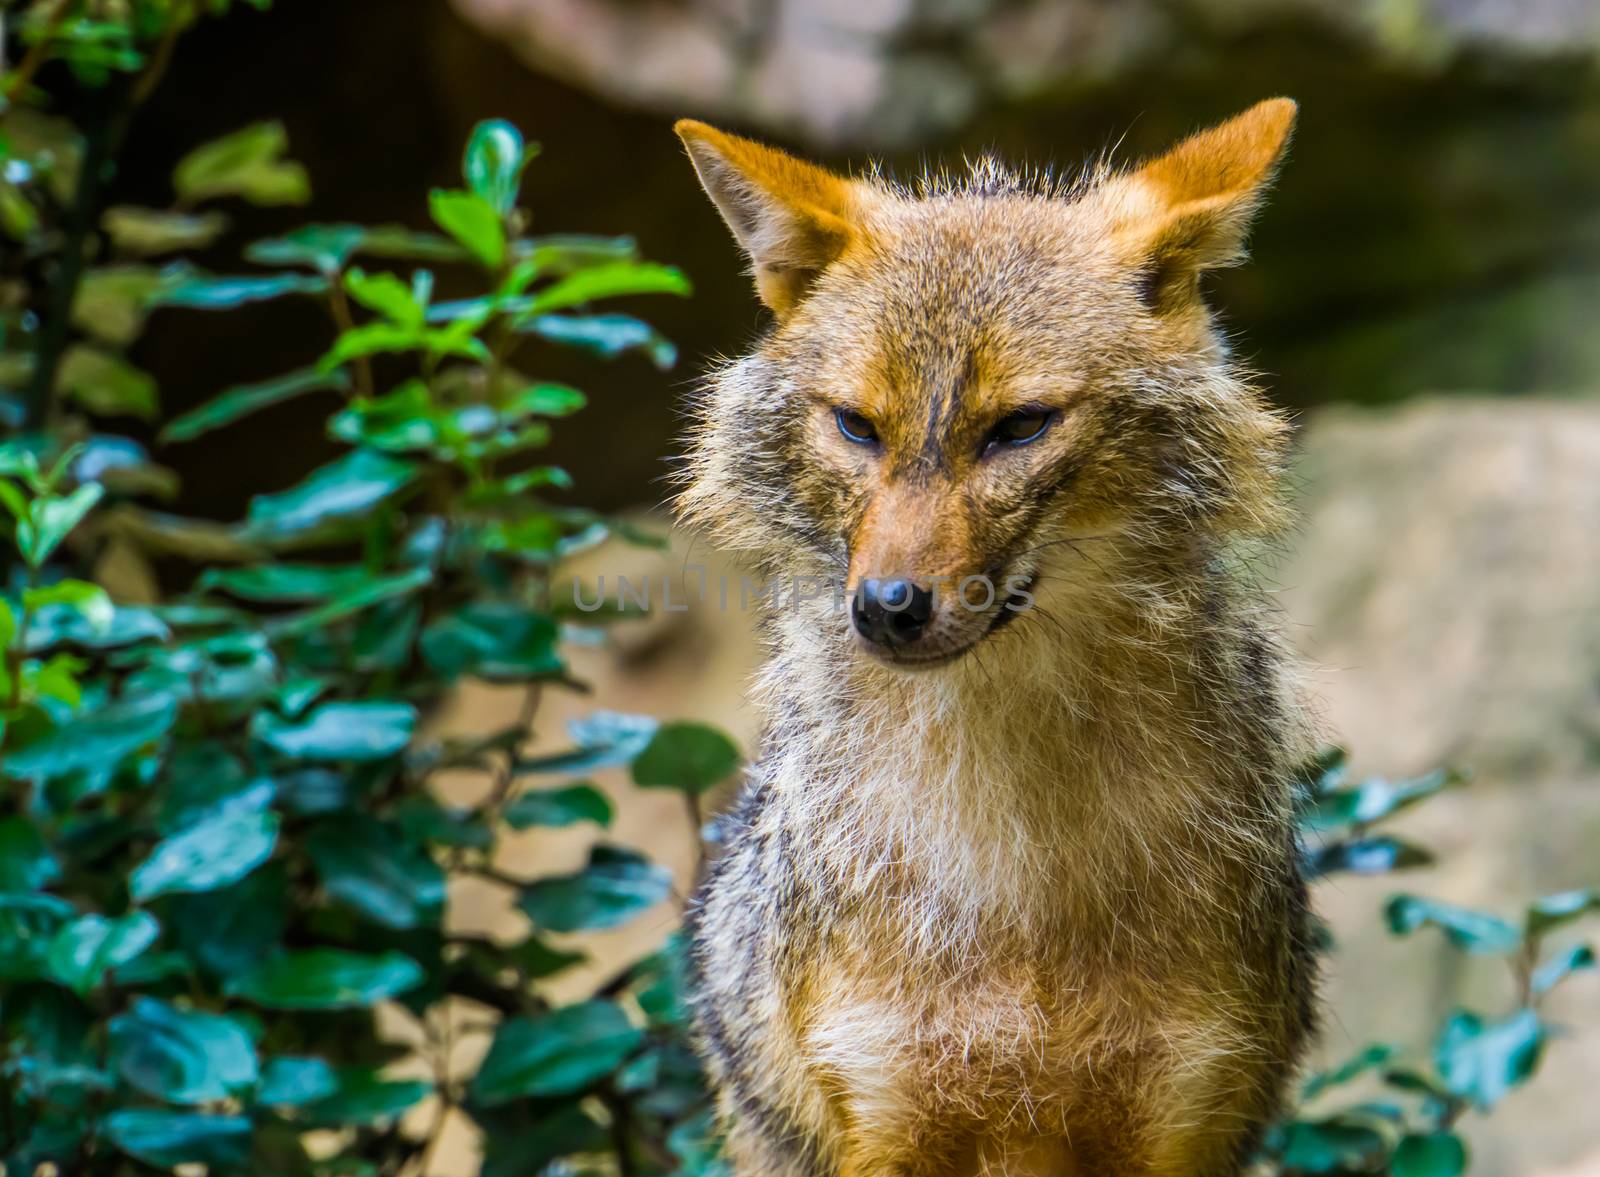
(856,427)
(1018,428)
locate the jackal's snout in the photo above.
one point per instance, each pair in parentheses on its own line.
(922,590)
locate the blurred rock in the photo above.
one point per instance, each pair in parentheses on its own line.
(885,72)
(1448,579)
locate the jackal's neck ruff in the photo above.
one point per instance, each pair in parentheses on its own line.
(1126,733)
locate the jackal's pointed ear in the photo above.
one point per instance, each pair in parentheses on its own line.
(1190,209)
(793,218)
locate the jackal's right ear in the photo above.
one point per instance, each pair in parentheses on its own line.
(793,218)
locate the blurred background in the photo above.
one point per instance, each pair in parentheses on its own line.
(1424,295)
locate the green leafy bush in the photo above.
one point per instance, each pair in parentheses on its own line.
(1405,1122)
(224,862)
(222,856)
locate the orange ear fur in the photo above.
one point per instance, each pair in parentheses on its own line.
(792,218)
(1190,209)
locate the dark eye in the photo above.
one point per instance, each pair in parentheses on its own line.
(856,427)
(1018,428)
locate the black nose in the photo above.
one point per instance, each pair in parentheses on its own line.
(891,612)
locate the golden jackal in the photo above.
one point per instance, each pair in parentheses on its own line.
(1013,888)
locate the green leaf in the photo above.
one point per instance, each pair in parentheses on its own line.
(55,680)
(248,163)
(205,293)
(358,731)
(1554,910)
(285,582)
(89,601)
(50,520)
(697,1145)
(367,595)
(96,740)
(210,854)
(1555,970)
(207,779)
(1372,800)
(244,399)
(181,1056)
(612,280)
(1365,1060)
(1482,1061)
(85,950)
(1323,772)
(106,384)
(231,931)
(605,739)
(559,807)
(112,302)
(325,248)
(28,927)
(422,820)
(1418,1081)
(54,625)
(365,864)
(166,1139)
(326,978)
(687,756)
(124,466)
(559,1053)
(532,959)
(387,295)
(472,221)
(291,1082)
(18,215)
(346,487)
(54,1028)
(364,1097)
(1436,1154)
(1329,1146)
(492,166)
(564,253)
(616,886)
(149,231)
(397,241)
(545,400)
(236,665)
(404,419)
(26,862)
(607,336)
(493,639)
(1375,855)
(516,1145)
(1472,931)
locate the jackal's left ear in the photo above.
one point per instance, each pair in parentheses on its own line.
(1190,209)
(793,218)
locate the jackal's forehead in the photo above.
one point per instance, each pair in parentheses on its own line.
(964,308)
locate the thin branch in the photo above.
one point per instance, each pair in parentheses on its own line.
(162,58)
(17,81)
(342,319)
(99,147)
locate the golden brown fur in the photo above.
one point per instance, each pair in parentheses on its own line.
(1035,911)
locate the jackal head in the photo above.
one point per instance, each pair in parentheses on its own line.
(985,392)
